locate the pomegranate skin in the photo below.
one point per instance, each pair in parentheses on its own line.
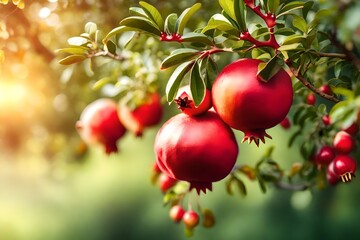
(331,176)
(199,149)
(185,102)
(99,124)
(248,104)
(343,142)
(145,115)
(325,155)
(344,167)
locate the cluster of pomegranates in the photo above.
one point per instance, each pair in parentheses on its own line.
(104,121)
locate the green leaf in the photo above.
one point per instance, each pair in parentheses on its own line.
(117,31)
(173,83)
(91,28)
(197,84)
(102,82)
(291,6)
(77,50)
(293,39)
(228,186)
(111,47)
(220,22)
(299,23)
(285,31)
(77,41)
(211,71)
(269,69)
(185,16)
(344,92)
(273,5)
(289,47)
(293,137)
(196,38)
(262,184)
(228,7)
(170,23)
(179,56)
(72,59)
(241,186)
(153,13)
(240,14)
(142,24)
(138,11)
(307,6)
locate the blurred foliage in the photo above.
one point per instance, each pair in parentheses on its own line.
(53,187)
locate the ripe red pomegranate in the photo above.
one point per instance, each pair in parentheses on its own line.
(331,176)
(352,129)
(99,124)
(344,167)
(326,89)
(166,182)
(146,115)
(325,155)
(191,219)
(326,120)
(185,102)
(285,123)
(343,142)
(199,149)
(248,104)
(176,213)
(311,99)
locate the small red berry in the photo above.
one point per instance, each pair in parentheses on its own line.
(326,89)
(352,129)
(176,213)
(166,182)
(325,155)
(326,120)
(343,142)
(331,176)
(344,167)
(191,219)
(311,99)
(285,123)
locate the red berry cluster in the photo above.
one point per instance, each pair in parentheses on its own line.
(340,165)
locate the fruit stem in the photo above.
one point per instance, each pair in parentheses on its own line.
(307,84)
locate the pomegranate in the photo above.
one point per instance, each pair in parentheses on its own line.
(99,124)
(331,176)
(325,155)
(311,99)
(199,149)
(248,104)
(185,102)
(176,213)
(344,167)
(191,219)
(285,123)
(326,89)
(352,129)
(326,120)
(343,142)
(166,182)
(147,114)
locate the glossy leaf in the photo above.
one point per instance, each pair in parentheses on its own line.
(142,24)
(179,56)
(289,7)
(73,50)
(273,5)
(211,71)
(153,13)
(197,84)
(240,14)
(269,69)
(173,83)
(299,23)
(289,47)
(91,28)
(170,23)
(218,21)
(111,47)
(72,59)
(185,16)
(116,31)
(77,41)
(228,6)
(137,11)
(307,6)
(293,39)
(196,38)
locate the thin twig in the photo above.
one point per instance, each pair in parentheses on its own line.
(332,55)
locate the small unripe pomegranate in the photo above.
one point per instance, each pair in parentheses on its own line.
(326,89)
(198,149)
(209,218)
(99,124)
(344,167)
(343,142)
(191,219)
(185,102)
(311,99)
(331,176)
(285,123)
(176,213)
(249,104)
(145,115)
(352,129)
(166,182)
(326,120)
(325,155)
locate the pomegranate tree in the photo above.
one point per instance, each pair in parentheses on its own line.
(198,149)
(99,124)
(248,104)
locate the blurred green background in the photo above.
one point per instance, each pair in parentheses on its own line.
(52,187)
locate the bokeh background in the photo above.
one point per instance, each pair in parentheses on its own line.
(54,187)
